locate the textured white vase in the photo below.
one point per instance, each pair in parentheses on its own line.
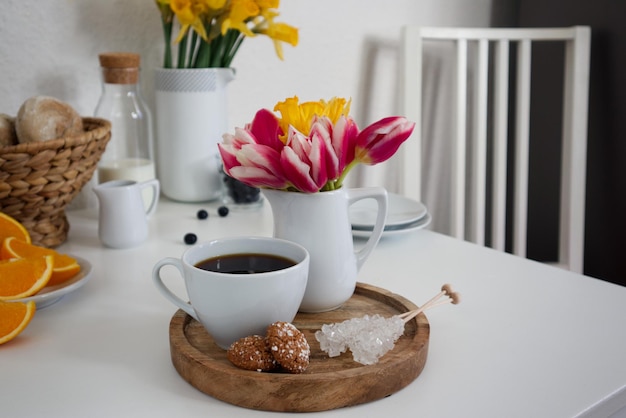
(320,223)
(191,117)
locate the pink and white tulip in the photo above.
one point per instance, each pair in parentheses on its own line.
(261,155)
(380,141)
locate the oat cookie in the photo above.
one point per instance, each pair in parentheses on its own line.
(288,346)
(252,353)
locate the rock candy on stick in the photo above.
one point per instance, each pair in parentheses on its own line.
(371,337)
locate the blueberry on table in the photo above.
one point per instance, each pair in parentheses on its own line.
(190,238)
(202,214)
(222,211)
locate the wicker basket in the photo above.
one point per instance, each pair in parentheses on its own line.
(38,180)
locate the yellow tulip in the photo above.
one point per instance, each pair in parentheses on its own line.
(301,116)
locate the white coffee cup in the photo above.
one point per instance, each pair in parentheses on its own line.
(231,306)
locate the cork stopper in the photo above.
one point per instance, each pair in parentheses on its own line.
(120,67)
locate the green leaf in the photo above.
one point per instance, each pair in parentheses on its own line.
(167,35)
(182,52)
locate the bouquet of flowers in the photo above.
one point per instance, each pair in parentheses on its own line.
(310,148)
(211,31)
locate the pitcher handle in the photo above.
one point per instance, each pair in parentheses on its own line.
(169,295)
(154,183)
(380,195)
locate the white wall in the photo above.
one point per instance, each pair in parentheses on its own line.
(347,48)
(51,46)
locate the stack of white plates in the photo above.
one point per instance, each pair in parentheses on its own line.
(403,215)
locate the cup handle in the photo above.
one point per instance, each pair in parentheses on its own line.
(169,295)
(154,183)
(380,195)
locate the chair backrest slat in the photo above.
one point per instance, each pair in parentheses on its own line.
(478,187)
(522,141)
(500,146)
(574,153)
(459,152)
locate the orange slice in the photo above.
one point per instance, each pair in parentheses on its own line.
(10,227)
(65,267)
(14,318)
(23,277)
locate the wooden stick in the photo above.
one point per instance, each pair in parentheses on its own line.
(446,290)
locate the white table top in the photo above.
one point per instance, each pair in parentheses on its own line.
(528,340)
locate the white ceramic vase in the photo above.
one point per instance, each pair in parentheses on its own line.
(191,117)
(320,223)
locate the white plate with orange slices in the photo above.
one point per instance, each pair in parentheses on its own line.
(67,275)
(34,275)
(52,294)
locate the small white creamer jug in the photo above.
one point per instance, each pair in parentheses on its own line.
(123,218)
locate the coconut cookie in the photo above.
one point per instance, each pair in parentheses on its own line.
(288,346)
(252,353)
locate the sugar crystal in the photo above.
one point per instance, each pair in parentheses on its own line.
(368,337)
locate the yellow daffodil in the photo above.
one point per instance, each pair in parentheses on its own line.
(241,11)
(268,4)
(279,33)
(211,31)
(189,13)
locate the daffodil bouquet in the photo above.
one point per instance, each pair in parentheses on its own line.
(310,148)
(211,31)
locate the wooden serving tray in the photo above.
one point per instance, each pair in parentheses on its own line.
(328,383)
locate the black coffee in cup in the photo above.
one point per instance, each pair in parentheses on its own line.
(245,263)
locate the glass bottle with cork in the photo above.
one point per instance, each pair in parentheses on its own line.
(129,154)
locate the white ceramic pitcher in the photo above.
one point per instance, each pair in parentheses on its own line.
(320,223)
(123,218)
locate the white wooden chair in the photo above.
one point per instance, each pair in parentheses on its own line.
(471,218)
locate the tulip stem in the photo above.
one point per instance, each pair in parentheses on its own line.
(339,182)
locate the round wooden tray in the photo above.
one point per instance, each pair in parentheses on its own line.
(328,383)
